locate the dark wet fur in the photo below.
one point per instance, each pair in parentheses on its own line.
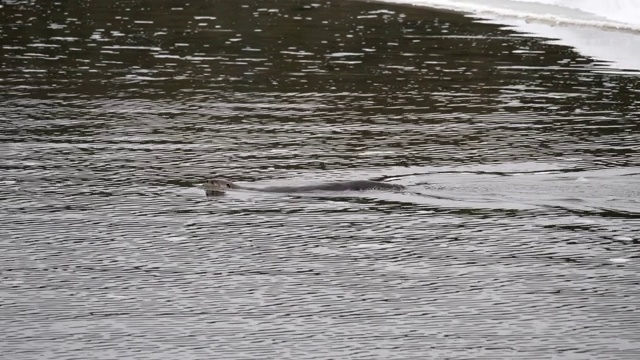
(356,185)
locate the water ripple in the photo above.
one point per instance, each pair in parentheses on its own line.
(516,237)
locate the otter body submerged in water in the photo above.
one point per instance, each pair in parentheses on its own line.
(219,186)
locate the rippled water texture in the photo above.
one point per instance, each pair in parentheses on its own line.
(517,237)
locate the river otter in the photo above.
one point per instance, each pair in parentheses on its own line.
(219,186)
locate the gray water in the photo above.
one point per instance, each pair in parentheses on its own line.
(516,239)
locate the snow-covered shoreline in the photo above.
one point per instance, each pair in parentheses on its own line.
(606,30)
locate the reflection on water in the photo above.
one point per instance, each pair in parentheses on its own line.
(517,237)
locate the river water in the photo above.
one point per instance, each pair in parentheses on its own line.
(517,237)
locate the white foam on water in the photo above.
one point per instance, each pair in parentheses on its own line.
(619,260)
(176,238)
(322,250)
(606,30)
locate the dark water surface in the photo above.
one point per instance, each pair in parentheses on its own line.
(518,237)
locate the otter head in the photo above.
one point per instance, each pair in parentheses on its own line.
(218,186)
